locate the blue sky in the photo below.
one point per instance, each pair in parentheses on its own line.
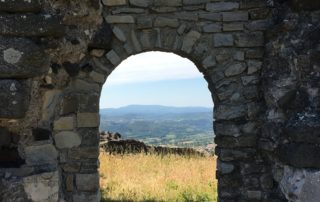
(155,78)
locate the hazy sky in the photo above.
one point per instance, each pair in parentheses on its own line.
(156,78)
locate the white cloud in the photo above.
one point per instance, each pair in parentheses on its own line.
(153,66)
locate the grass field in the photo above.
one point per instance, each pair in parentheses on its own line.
(143,177)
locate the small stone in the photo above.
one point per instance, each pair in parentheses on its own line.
(97,77)
(119,34)
(222,6)
(87,182)
(97,52)
(189,41)
(235,16)
(210,16)
(113,57)
(67,140)
(233,27)
(88,120)
(252,39)
(254,195)
(209,62)
(166,22)
(114,2)
(226,112)
(239,55)
(144,22)
(254,66)
(41,154)
(210,28)
(249,80)
(235,69)
(224,168)
(64,123)
(123,19)
(222,40)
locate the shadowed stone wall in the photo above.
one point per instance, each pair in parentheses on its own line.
(260,59)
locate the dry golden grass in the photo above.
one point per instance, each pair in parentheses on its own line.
(143,177)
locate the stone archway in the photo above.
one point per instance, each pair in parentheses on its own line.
(56,55)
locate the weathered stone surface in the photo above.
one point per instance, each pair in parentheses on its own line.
(102,37)
(254,195)
(64,123)
(97,77)
(83,153)
(135,41)
(225,112)
(114,2)
(141,3)
(31,25)
(189,40)
(128,10)
(168,3)
(67,139)
(300,184)
(300,155)
(50,100)
(79,85)
(252,39)
(235,16)
(20,6)
(120,19)
(212,28)
(14,97)
(189,16)
(209,62)
(222,6)
(21,58)
(194,2)
(85,197)
(113,57)
(97,52)
(41,154)
(88,120)
(210,16)
(166,22)
(235,69)
(233,27)
(222,40)
(42,187)
(224,168)
(144,22)
(245,4)
(87,182)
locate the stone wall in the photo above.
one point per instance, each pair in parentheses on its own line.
(260,59)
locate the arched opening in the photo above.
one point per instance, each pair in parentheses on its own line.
(157,106)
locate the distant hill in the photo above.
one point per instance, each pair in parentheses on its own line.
(161,125)
(152,109)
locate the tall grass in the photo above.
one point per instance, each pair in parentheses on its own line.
(143,177)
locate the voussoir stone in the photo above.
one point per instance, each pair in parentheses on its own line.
(21,58)
(119,34)
(67,139)
(189,41)
(14,97)
(235,69)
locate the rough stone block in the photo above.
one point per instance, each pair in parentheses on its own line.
(222,40)
(141,3)
(113,57)
(253,39)
(14,97)
(233,27)
(120,19)
(41,154)
(31,25)
(79,85)
(235,16)
(235,69)
(21,58)
(226,112)
(127,11)
(254,66)
(210,16)
(67,139)
(209,62)
(97,77)
(224,168)
(210,28)
(87,182)
(166,22)
(195,2)
(189,41)
(245,4)
(42,187)
(64,123)
(50,101)
(222,6)
(144,22)
(85,197)
(13,6)
(84,153)
(172,3)
(102,37)
(114,2)
(189,16)
(88,120)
